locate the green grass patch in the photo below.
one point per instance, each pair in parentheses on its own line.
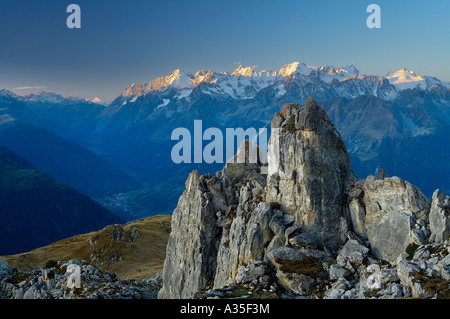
(51,263)
(411,250)
(309,266)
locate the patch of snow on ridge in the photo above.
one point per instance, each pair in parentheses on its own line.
(184,93)
(164,103)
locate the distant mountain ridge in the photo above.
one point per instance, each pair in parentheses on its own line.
(43,96)
(48,134)
(244,81)
(418,111)
(401,113)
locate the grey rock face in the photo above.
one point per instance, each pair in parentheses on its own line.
(337,272)
(385,210)
(439,216)
(220,224)
(394,195)
(244,243)
(191,248)
(357,212)
(306,229)
(389,233)
(308,167)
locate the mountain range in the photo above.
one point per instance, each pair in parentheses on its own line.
(244,83)
(119,154)
(401,113)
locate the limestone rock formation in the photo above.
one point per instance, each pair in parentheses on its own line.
(214,227)
(385,210)
(308,169)
(439,217)
(309,228)
(192,247)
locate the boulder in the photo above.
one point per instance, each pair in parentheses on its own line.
(353,252)
(405,272)
(439,216)
(306,239)
(298,270)
(391,207)
(337,272)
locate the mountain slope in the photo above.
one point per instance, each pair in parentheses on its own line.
(37,210)
(66,161)
(137,249)
(47,129)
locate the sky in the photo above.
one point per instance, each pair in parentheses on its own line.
(124,42)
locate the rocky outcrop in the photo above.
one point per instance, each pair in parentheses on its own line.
(439,217)
(190,256)
(424,272)
(243,243)
(309,228)
(308,169)
(52,282)
(390,213)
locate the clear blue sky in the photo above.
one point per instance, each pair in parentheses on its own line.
(122,42)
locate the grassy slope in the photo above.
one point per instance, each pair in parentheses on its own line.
(140,259)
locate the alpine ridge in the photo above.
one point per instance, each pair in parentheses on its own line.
(245,77)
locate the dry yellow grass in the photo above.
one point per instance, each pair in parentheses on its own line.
(140,259)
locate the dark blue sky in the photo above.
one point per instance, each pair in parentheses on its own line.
(122,42)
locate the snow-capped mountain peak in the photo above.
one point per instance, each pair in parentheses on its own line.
(179,79)
(241,71)
(407,79)
(403,77)
(96,100)
(330,72)
(350,70)
(43,96)
(136,89)
(4,92)
(295,67)
(47,97)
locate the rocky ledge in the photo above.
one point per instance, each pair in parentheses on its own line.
(309,229)
(52,282)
